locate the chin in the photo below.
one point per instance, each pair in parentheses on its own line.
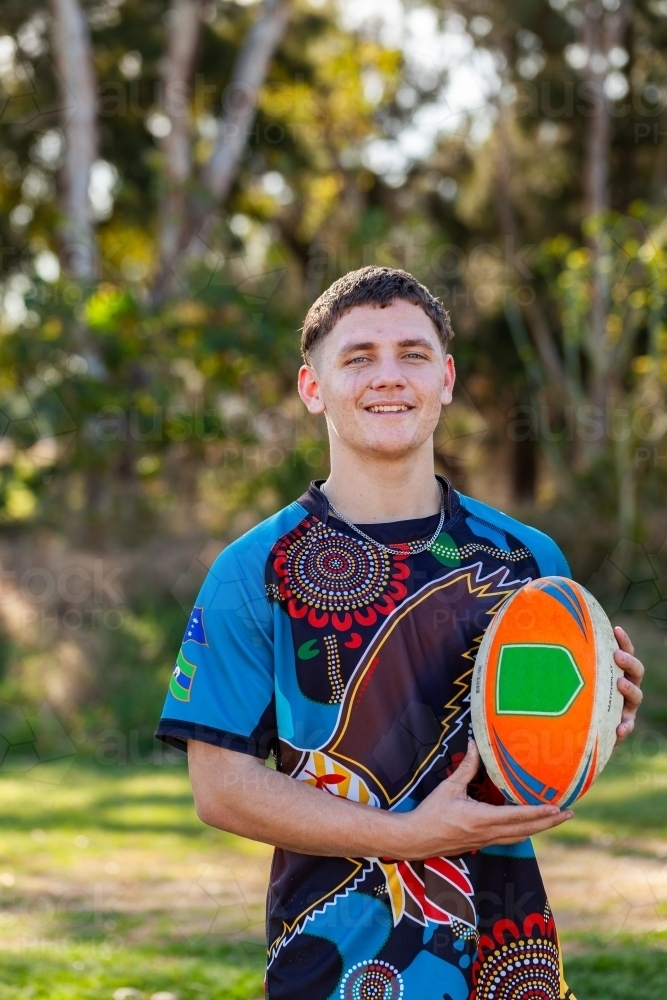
(390,449)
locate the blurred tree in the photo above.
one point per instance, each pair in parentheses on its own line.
(185,313)
(182,216)
(460,143)
(578,89)
(183,36)
(77,92)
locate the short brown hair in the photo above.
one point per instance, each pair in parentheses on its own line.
(370,286)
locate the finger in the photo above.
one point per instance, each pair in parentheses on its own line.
(517,834)
(468,767)
(632,694)
(495,821)
(625,728)
(518,815)
(553,818)
(630,665)
(628,716)
(623,639)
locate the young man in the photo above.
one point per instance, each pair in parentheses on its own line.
(340,634)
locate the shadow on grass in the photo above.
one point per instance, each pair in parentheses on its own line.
(639,813)
(109,798)
(97,814)
(170,930)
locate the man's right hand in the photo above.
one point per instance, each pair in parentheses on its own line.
(449,823)
(235,792)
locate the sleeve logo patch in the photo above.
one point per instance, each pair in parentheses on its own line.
(180,684)
(194,631)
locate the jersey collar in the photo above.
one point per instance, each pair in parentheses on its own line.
(316,502)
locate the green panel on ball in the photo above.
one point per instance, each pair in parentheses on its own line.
(536,679)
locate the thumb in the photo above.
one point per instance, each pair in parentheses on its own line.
(468,767)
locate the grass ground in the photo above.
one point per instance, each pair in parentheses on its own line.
(111,888)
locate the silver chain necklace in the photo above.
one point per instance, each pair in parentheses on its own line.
(414,548)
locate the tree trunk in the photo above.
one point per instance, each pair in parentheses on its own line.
(240,101)
(183,34)
(238,111)
(540,331)
(601,31)
(78,98)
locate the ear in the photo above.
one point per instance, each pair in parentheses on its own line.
(448,381)
(309,389)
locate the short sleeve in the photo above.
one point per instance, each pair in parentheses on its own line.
(222,687)
(549,558)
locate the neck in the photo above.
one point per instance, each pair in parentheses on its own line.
(370,490)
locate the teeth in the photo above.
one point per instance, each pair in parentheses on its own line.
(393,408)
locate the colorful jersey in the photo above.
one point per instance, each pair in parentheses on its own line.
(352,665)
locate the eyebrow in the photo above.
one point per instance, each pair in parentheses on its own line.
(368,345)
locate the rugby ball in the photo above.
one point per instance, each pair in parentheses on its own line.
(545,702)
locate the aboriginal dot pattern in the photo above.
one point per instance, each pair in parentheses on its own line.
(372,980)
(333,572)
(521,970)
(464,932)
(463,551)
(334,670)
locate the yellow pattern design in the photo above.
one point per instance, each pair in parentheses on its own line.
(319,768)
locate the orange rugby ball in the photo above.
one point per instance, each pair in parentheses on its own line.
(545,701)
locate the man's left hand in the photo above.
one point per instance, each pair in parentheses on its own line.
(629,686)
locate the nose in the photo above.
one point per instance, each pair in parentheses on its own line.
(388,375)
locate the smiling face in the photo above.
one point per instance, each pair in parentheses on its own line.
(381,377)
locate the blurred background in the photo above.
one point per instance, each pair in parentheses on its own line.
(178,182)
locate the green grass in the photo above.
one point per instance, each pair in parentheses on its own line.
(631,971)
(108,882)
(73,971)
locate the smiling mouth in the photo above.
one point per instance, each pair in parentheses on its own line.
(389,408)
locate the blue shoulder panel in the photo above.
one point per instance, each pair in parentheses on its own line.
(548,556)
(222,690)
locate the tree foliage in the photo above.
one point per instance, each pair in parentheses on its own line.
(510,155)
